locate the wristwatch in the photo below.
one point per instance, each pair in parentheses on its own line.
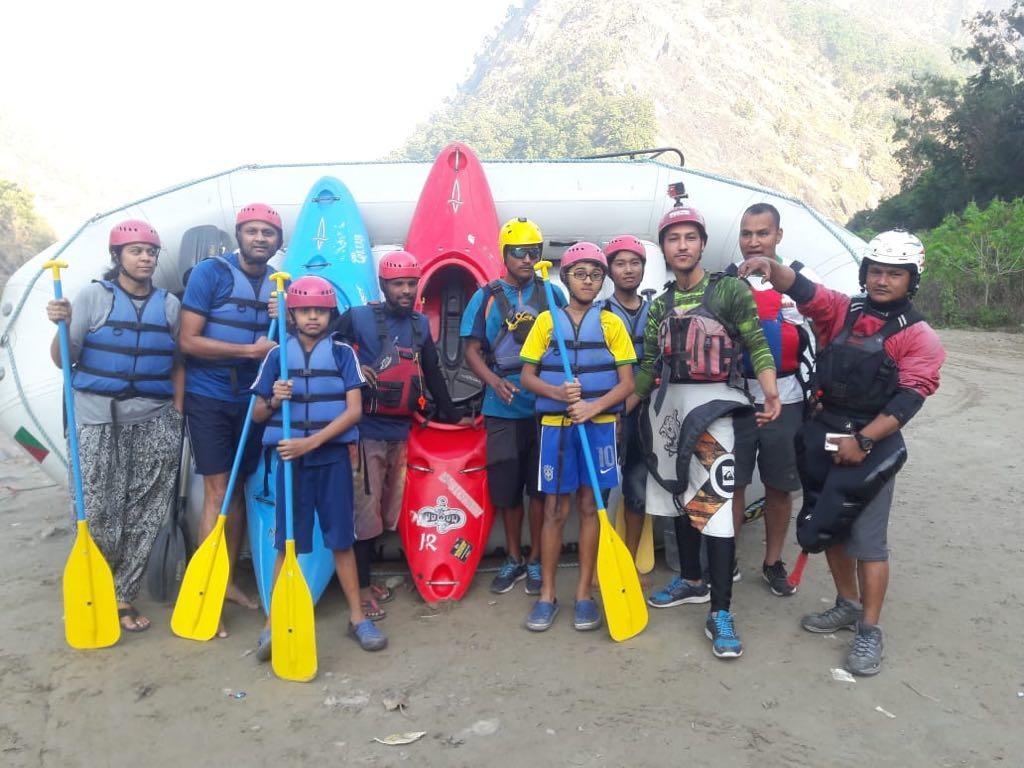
(865,442)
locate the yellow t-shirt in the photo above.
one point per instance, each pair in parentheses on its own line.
(615,336)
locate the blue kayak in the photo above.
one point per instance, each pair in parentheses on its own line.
(329,241)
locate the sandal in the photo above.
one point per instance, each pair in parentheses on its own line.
(381,593)
(372,610)
(131,613)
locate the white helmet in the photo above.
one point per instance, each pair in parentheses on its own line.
(897,248)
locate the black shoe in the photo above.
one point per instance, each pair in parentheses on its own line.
(778,579)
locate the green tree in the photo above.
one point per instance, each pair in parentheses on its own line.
(23,233)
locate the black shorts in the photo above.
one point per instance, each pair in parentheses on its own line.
(634,465)
(770,447)
(513,448)
(214,428)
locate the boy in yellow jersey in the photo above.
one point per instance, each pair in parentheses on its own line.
(601,358)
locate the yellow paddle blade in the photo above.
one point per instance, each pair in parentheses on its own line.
(624,608)
(201,599)
(292,627)
(620,520)
(90,603)
(645,552)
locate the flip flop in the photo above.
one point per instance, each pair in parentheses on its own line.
(263,646)
(382,593)
(372,611)
(132,614)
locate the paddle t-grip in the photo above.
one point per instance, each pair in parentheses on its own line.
(542,267)
(55,266)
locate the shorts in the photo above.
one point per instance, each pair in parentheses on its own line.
(214,428)
(563,467)
(868,540)
(634,464)
(325,488)
(512,457)
(380,483)
(771,446)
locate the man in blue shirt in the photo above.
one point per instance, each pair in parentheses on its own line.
(224,322)
(495,324)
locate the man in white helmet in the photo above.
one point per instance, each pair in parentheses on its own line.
(877,363)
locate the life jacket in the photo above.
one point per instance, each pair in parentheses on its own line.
(515,326)
(318,393)
(696,346)
(132,353)
(788,342)
(239,319)
(400,387)
(855,377)
(590,360)
(635,323)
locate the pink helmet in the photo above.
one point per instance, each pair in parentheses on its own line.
(682,214)
(259,212)
(625,243)
(133,231)
(398,264)
(311,291)
(581,252)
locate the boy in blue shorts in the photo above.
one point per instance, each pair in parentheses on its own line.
(601,358)
(326,406)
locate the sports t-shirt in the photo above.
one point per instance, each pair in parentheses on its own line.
(616,337)
(482,320)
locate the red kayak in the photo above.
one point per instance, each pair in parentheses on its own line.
(446,510)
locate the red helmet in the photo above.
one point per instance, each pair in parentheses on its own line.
(259,212)
(581,252)
(133,231)
(398,264)
(311,291)
(682,214)
(625,243)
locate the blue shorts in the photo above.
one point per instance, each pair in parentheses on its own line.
(563,467)
(325,488)
(214,427)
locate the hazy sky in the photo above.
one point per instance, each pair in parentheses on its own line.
(134,96)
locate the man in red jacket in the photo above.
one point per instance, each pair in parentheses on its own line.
(877,363)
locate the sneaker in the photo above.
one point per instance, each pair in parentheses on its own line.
(585,615)
(736,575)
(367,635)
(843,615)
(263,646)
(511,571)
(533,578)
(865,657)
(725,643)
(778,579)
(679,591)
(542,616)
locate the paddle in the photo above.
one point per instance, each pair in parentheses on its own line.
(201,597)
(90,602)
(645,549)
(798,569)
(624,608)
(292,628)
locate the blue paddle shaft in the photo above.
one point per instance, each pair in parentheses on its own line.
(286,418)
(69,404)
(237,463)
(584,441)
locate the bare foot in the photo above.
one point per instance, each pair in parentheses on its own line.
(222,631)
(235,595)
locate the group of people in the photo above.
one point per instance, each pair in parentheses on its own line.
(146,364)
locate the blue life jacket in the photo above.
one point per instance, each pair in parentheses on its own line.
(240,319)
(318,393)
(132,353)
(516,323)
(590,360)
(636,323)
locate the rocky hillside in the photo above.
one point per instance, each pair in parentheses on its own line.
(786,93)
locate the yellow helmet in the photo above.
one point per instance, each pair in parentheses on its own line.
(519,231)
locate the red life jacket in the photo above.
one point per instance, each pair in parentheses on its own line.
(786,340)
(400,388)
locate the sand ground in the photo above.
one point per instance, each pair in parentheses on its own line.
(487,692)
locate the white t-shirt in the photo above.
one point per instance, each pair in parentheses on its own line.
(789,387)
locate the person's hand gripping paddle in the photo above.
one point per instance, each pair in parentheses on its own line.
(201,597)
(90,602)
(292,628)
(624,608)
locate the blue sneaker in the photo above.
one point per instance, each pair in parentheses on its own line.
(725,643)
(542,616)
(679,591)
(511,571)
(585,615)
(534,580)
(367,635)
(263,646)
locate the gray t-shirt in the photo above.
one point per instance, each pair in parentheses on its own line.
(91,308)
